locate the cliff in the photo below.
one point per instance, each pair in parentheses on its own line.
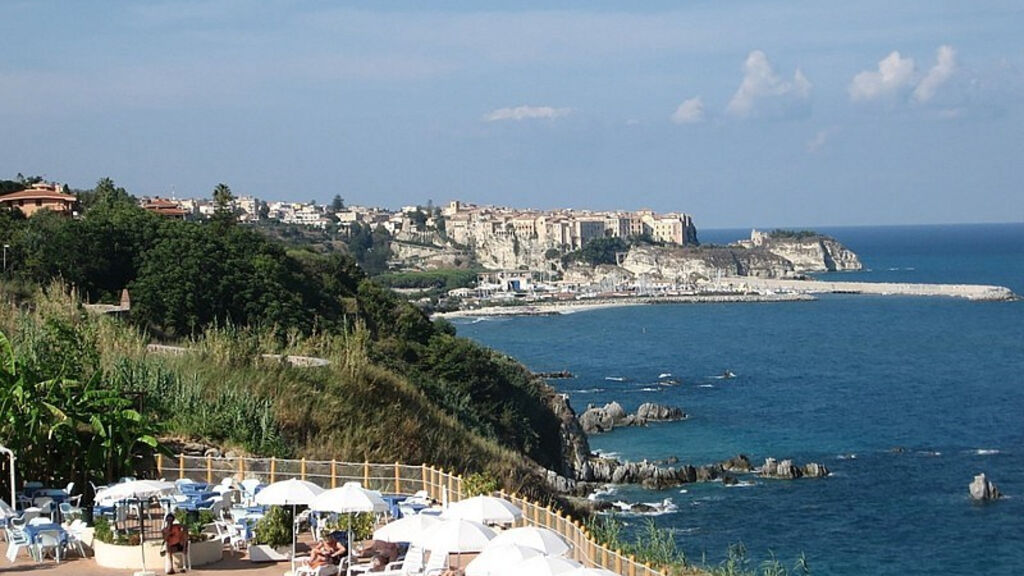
(806,251)
(702,264)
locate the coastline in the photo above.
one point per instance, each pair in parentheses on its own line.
(768,290)
(574,306)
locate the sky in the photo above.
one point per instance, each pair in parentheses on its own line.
(739,113)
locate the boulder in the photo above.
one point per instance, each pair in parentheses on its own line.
(814,470)
(612,415)
(738,463)
(982,489)
(650,412)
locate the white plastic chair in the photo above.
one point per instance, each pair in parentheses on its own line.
(75,531)
(16,540)
(411,564)
(48,541)
(436,564)
(38,520)
(74,500)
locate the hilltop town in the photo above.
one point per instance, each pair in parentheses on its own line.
(486,254)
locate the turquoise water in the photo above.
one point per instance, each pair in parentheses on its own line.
(843,380)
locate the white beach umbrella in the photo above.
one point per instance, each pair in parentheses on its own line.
(405,529)
(292,492)
(590,572)
(542,539)
(540,566)
(455,535)
(495,558)
(136,490)
(349,499)
(484,509)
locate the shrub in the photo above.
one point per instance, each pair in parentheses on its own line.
(476,484)
(362,525)
(275,528)
(102,531)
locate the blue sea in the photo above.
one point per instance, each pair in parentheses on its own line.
(905,399)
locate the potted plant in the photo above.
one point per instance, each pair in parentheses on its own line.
(273,536)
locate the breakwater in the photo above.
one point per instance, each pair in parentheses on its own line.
(978,292)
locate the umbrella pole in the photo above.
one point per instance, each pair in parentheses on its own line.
(348,569)
(293,539)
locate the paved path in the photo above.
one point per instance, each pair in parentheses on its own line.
(75,566)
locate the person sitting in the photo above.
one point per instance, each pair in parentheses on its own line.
(327,551)
(176,540)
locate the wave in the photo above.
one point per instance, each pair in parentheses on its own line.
(664,375)
(606,490)
(666,506)
(586,391)
(602,454)
(985,451)
(615,378)
(741,484)
(649,389)
(846,457)
(707,385)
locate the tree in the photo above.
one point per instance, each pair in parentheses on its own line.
(223,202)
(338,204)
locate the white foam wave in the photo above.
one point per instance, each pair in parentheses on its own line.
(846,457)
(707,385)
(986,451)
(586,391)
(650,389)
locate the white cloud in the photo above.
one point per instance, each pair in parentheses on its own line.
(894,74)
(526,113)
(820,139)
(945,66)
(689,112)
(763,90)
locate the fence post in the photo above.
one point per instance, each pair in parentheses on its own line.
(423,478)
(241,468)
(334,474)
(451,492)
(160,465)
(302,469)
(398,479)
(181,465)
(366,474)
(618,562)
(209,469)
(273,469)
(632,565)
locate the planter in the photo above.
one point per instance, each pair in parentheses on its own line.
(130,558)
(264,553)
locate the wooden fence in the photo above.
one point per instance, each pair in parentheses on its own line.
(400,478)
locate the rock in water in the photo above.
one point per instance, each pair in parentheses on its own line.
(649,412)
(982,489)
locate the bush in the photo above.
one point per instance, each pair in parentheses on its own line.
(102,531)
(275,528)
(476,484)
(362,525)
